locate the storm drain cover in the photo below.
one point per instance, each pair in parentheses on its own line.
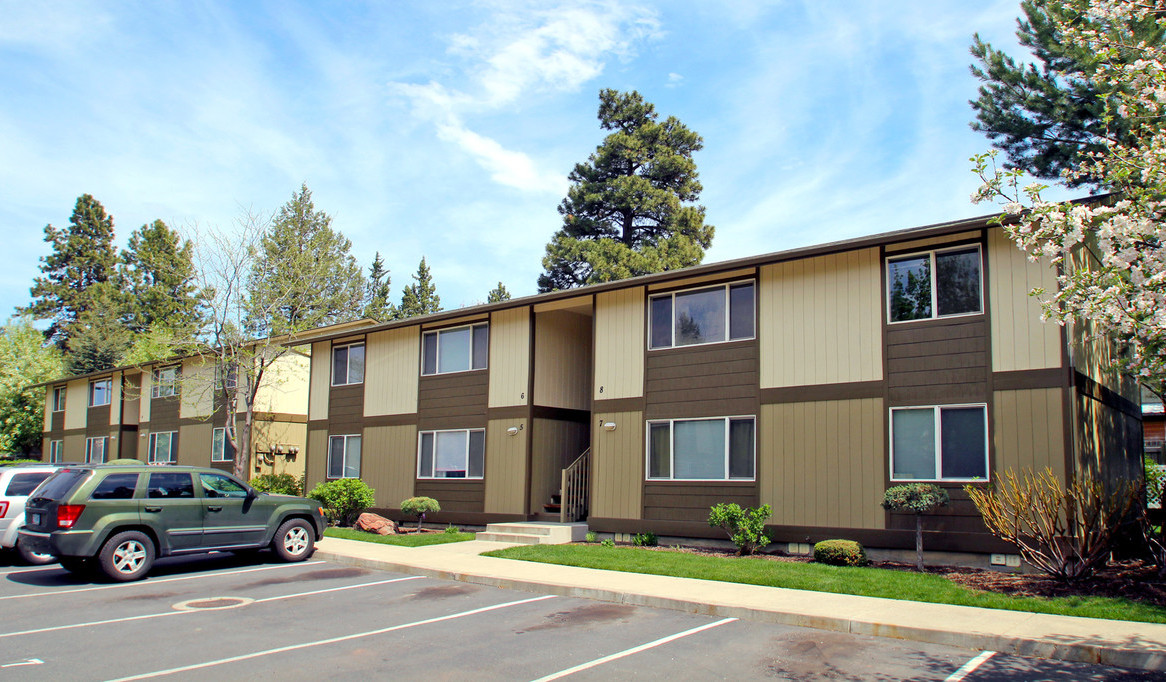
(212,603)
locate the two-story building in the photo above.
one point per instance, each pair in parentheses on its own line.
(810,380)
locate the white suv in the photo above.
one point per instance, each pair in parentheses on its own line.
(16,483)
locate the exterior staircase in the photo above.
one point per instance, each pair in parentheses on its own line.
(534,533)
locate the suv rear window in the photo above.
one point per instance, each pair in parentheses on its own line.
(116,487)
(63,482)
(23,484)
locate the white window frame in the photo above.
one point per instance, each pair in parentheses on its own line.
(343,464)
(726,286)
(437,349)
(56,451)
(108,392)
(934,288)
(347,364)
(152,450)
(220,454)
(162,387)
(672,449)
(230,374)
(104,449)
(938,444)
(433,476)
(59,393)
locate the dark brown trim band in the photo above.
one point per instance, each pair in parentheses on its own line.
(1030,379)
(1106,396)
(819,392)
(508,412)
(618,405)
(383,420)
(280,417)
(561,414)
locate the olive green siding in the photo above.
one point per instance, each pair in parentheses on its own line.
(318,456)
(619,344)
(617,465)
(392,368)
(554,445)
(562,360)
(506,467)
(509,360)
(1028,431)
(320,381)
(1020,340)
(388,462)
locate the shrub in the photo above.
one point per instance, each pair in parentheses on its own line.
(451,530)
(919,499)
(840,553)
(591,536)
(280,484)
(1065,530)
(608,543)
(343,499)
(746,527)
(647,539)
(419,507)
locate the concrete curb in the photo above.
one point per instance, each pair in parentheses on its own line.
(1066,648)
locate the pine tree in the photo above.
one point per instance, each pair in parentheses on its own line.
(377,305)
(498,294)
(98,340)
(159,273)
(420,297)
(629,210)
(1042,117)
(82,256)
(305,276)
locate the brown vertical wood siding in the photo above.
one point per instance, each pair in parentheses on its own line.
(346,409)
(164,414)
(97,421)
(937,361)
(453,401)
(554,445)
(691,501)
(453,495)
(703,381)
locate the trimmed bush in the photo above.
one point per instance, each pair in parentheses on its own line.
(746,527)
(647,539)
(591,537)
(343,499)
(608,543)
(279,484)
(840,553)
(419,507)
(919,499)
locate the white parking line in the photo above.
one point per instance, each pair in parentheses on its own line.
(164,614)
(633,650)
(31,570)
(159,580)
(333,640)
(970,667)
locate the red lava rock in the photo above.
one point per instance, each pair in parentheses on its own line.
(375,524)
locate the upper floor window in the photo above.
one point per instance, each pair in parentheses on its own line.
(939,443)
(459,453)
(226,376)
(697,316)
(459,349)
(348,364)
(58,398)
(924,286)
(165,382)
(100,392)
(720,449)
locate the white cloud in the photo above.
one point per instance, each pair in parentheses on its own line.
(674,79)
(506,167)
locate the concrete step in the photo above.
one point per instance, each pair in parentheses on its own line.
(518,538)
(541,532)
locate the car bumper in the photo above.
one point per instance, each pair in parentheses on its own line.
(57,543)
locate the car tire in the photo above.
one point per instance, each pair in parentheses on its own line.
(127,556)
(294,541)
(78,565)
(33,558)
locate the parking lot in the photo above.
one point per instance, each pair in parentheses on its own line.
(224,617)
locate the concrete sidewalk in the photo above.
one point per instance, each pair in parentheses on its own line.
(1091,640)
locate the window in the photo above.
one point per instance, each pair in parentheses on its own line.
(925,286)
(56,451)
(164,485)
(58,399)
(221,485)
(96,449)
(165,382)
(221,448)
(161,448)
(942,443)
(719,449)
(115,487)
(699,316)
(460,349)
(451,454)
(348,364)
(344,457)
(100,392)
(22,485)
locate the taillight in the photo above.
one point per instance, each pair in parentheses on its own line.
(3,509)
(67,514)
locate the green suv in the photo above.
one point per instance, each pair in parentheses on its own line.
(119,517)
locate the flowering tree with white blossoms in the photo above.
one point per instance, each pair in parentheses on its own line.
(1122,290)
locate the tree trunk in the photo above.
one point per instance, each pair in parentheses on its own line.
(919,542)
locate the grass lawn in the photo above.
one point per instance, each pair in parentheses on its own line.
(411,540)
(868,582)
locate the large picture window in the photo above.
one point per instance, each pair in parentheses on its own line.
(940,443)
(344,457)
(100,392)
(165,382)
(161,448)
(451,454)
(96,449)
(221,448)
(924,286)
(348,364)
(459,349)
(699,316)
(58,399)
(720,449)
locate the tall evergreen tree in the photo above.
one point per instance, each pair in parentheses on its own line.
(82,256)
(420,297)
(498,294)
(159,273)
(629,210)
(305,276)
(377,305)
(98,340)
(1043,115)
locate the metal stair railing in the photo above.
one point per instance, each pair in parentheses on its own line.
(574,488)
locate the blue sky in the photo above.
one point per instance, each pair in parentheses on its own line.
(447,129)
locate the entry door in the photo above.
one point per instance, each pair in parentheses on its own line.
(231,519)
(171,506)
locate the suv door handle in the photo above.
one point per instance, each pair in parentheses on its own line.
(214,508)
(153,509)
